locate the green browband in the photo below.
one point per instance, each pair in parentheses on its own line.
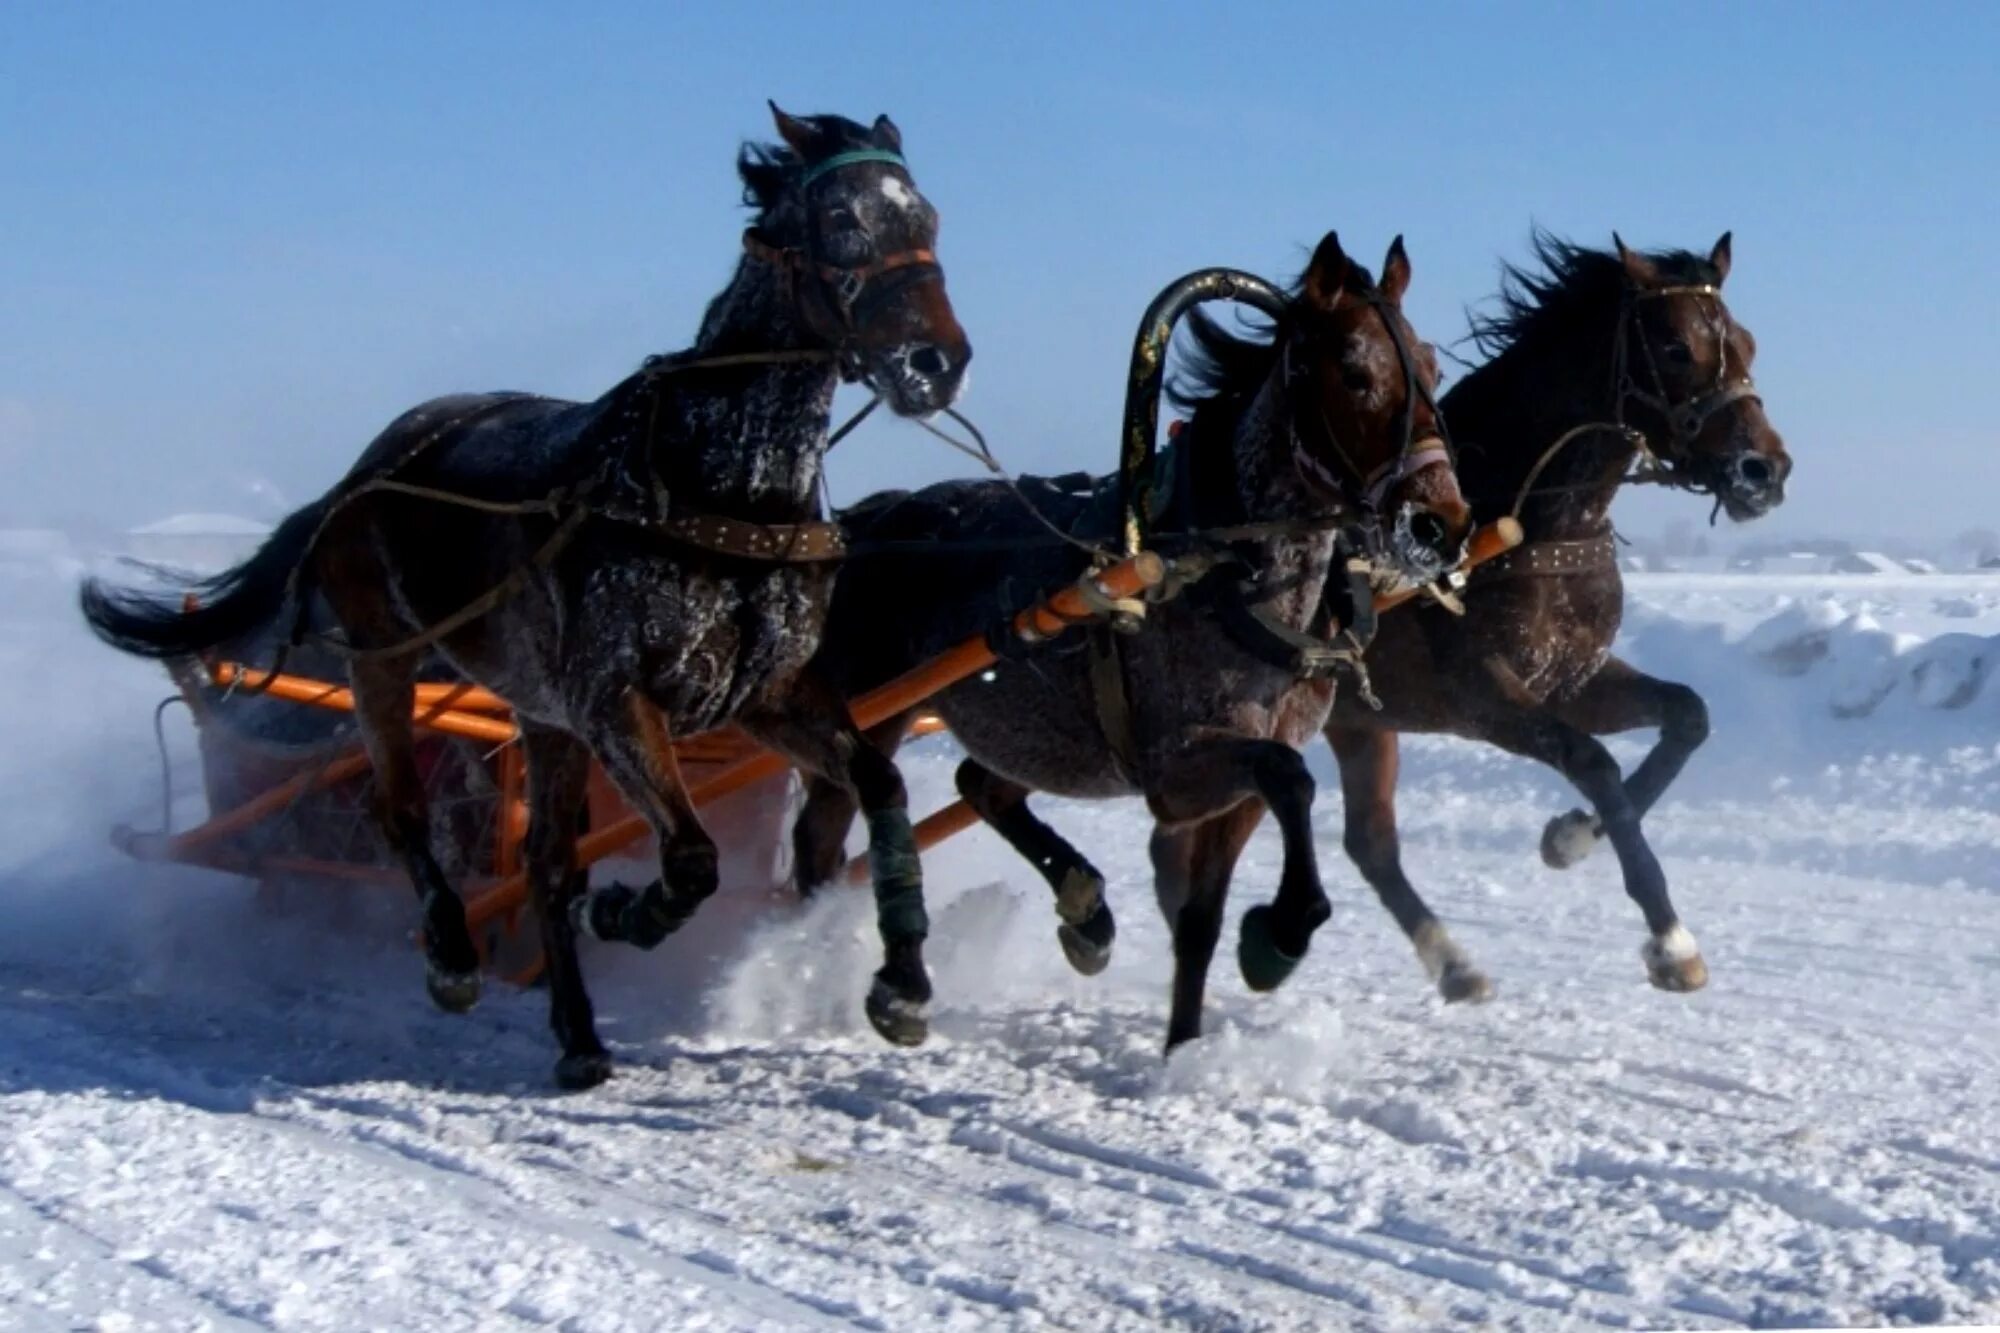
(848,159)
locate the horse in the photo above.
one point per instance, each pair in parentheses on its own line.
(1327,423)
(650,564)
(1599,362)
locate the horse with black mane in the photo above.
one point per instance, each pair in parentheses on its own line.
(650,564)
(1302,448)
(1600,362)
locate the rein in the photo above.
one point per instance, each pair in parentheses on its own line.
(802,543)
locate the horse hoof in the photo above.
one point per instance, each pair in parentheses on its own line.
(453,992)
(1265,966)
(1465,985)
(583,1070)
(901,1020)
(1568,839)
(1674,962)
(1085,955)
(1087,944)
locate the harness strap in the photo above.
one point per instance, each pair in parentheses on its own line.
(815,542)
(1552,560)
(1114,704)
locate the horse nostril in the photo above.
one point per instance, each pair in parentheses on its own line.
(929,361)
(1755,470)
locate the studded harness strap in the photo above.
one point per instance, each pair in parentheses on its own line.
(1552,559)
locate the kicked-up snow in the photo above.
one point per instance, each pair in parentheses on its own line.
(220,1111)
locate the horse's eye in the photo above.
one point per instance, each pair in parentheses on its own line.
(1357,381)
(1679,353)
(842,220)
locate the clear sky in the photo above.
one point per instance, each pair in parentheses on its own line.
(236,240)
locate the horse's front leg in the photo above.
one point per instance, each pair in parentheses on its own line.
(819,834)
(628,734)
(1212,774)
(809,725)
(1620,698)
(1523,727)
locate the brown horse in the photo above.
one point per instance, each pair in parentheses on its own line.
(649,564)
(1599,361)
(1295,442)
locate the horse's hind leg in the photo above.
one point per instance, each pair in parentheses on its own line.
(1619,698)
(1088,929)
(1369,761)
(629,736)
(384,695)
(819,835)
(810,726)
(558,785)
(1212,775)
(1191,869)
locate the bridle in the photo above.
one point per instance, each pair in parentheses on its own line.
(844,289)
(1413,456)
(1686,418)
(1674,465)
(1399,541)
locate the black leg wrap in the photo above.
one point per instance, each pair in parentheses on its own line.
(899,876)
(640,917)
(899,999)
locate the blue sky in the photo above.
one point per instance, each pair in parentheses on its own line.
(236,240)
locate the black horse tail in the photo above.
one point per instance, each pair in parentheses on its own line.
(214,611)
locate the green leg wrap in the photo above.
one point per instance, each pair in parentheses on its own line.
(899,876)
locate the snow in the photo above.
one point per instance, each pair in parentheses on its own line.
(220,1112)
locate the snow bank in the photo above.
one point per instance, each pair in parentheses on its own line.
(1857,665)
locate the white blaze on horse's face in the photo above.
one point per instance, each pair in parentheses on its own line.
(901,196)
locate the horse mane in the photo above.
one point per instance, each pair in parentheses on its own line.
(1220,367)
(767,168)
(1568,287)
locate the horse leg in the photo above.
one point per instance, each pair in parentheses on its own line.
(384,696)
(1619,698)
(631,740)
(558,785)
(1369,762)
(819,834)
(1191,869)
(1673,959)
(1087,928)
(810,726)
(1213,774)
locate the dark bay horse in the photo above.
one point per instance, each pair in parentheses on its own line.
(1599,360)
(651,564)
(1287,436)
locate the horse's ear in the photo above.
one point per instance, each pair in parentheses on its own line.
(1395,272)
(1326,276)
(886,135)
(1642,271)
(801,135)
(1718,259)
